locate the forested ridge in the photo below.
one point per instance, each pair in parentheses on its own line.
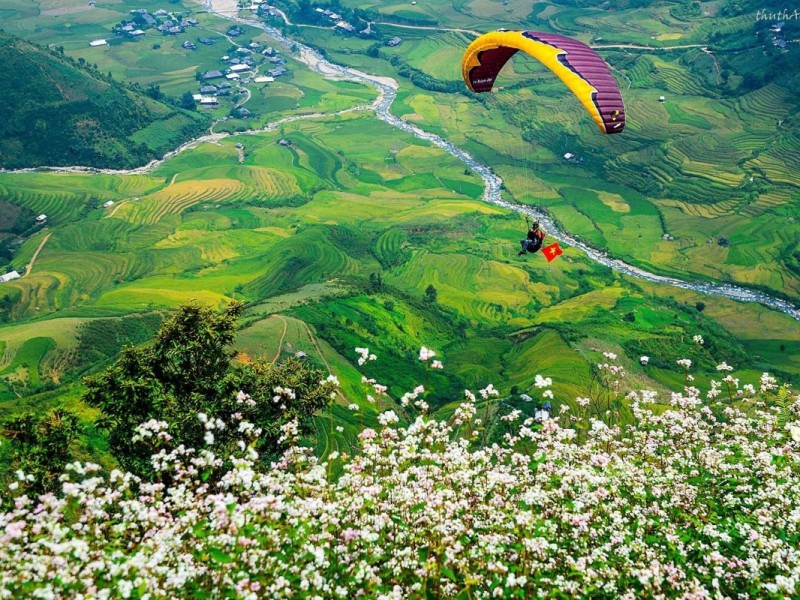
(64,112)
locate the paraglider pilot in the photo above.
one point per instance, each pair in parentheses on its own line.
(533,242)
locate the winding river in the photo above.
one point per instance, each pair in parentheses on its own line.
(387,92)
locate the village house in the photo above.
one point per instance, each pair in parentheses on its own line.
(11,275)
(108,203)
(136,33)
(208,89)
(263,79)
(395,41)
(189,45)
(209,101)
(141,15)
(344,25)
(232,76)
(239,68)
(205,41)
(41,218)
(95,43)
(277,71)
(213,75)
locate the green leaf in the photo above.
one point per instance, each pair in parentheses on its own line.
(200,530)
(219,556)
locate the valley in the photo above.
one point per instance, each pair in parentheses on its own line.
(334,207)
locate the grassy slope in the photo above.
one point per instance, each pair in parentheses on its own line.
(217,232)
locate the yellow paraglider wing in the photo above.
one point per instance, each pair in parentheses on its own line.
(575,63)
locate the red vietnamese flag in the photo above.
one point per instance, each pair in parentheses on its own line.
(551,251)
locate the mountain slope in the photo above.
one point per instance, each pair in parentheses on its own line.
(59,112)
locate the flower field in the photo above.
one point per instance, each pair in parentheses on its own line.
(699,501)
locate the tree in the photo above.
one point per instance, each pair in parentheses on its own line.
(154,91)
(700,306)
(188,369)
(374,50)
(375,282)
(41,447)
(188,102)
(431,294)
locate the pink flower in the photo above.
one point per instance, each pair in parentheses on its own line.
(348,535)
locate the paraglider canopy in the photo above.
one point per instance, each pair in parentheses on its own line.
(575,63)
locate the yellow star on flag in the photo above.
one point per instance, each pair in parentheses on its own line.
(552,251)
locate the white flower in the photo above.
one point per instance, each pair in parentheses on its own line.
(364,355)
(767,382)
(426,353)
(388,418)
(489,390)
(333,379)
(353,407)
(437,364)
(209,438)
(698,339)
(723,366)
(685,363)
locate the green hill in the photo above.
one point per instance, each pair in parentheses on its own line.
(62,112)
